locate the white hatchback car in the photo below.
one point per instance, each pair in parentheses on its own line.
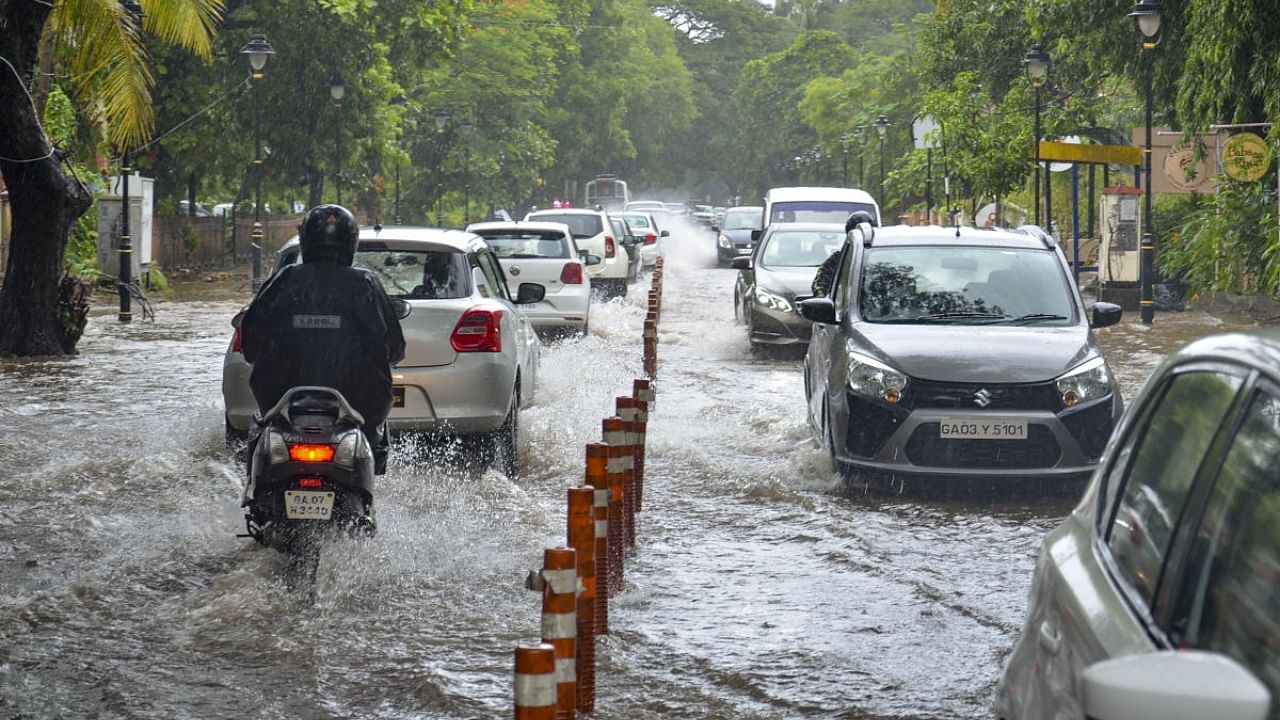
(545,253)
(645,226)
(593,231)
(1159,596)
(471,355)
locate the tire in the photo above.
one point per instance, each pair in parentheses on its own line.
(505,441)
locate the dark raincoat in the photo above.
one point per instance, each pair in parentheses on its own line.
(324,324)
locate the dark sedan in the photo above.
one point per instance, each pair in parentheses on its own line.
(777,276)
(733,235)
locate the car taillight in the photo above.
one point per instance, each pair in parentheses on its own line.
(610,247)
(478,331)
(571,274)
(236,340)
(650,238)
(308,452)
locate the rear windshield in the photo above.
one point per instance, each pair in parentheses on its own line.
(637,221)
(815,211)
(799,248)
(419,274)
(582,226)
(964,285)
(526,244)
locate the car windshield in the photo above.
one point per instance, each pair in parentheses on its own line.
(816,211)
(521,244)
(582,225)
(964,285)
(418,274)
(799,248)
(743,220)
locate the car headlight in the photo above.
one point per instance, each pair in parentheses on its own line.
(277,448)
(772,301)
(723,242)
(872,378)
(1086,381)
(352,447)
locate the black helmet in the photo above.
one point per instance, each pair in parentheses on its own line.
(328,234)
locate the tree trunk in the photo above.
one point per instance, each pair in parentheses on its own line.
(45,200)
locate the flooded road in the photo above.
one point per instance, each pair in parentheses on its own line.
(758,589)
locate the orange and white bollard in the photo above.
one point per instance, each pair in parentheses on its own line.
(626,409)
(642,391)
(651,346)
(613,437)
(535,681)
(582,538)
(598,479)
(560,622)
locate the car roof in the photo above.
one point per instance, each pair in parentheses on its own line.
(744,207)
(805,227)
(905,235)
(788,194)
(401,235)
(519,225)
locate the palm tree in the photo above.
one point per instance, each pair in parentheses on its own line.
(98,43)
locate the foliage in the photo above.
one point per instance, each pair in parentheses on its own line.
(1228,244)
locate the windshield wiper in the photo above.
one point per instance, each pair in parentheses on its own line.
(1036,317)
(953,316)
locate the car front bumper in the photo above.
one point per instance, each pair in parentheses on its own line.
(770,326)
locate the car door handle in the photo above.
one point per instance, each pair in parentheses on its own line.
(1050,638)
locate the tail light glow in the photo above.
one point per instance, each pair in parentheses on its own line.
(310,452)
(310,482)
(478,330)
(571,273)
(236,341)
(610,246)
(651,238)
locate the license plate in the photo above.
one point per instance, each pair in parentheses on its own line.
(397,397)
(308,505)
(527,306)
(983,429)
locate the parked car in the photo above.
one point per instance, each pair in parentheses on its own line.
(644,225)
(594,232)
(1174,548)
(777,277)
(733,235)
(471,356)
(944,352)
(545,253)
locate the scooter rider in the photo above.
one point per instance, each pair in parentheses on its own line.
(326,323)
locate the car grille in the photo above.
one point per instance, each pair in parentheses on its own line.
(930,394)
(870,425)
(927,449)
(1091,427)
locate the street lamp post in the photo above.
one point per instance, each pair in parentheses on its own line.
(466,129)
(126,240)
(882,129)
(259,51)
(1037,63)
(862,155)
(441,118)
(844,159)
(1147,16)
(337,91)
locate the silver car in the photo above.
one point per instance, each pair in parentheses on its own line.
(1160,593)
(471,355)
(545,253)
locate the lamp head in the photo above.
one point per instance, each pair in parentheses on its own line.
(441,118)
(337,88)
(1147,16)
(1037,63)
(258,50)
(882,126)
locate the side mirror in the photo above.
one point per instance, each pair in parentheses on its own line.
(1104,314)
(588,259)
(1173,685)
(715,228)
(665,233)
(755,236)
(239,317)
(402,308)
(740,263)
(530,293)
(819,310)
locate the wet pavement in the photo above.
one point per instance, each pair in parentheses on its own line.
(758,589)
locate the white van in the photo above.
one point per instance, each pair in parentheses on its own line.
(816,205)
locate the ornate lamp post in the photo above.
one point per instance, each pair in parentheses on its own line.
(441,119)
(259,51)
(844,159)
(882,129)
(466,128)
(1037,64)
(1147,16)
(337,91)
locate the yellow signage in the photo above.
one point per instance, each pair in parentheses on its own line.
(1246,157)
(1095,154)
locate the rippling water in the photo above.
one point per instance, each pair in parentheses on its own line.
(757,590)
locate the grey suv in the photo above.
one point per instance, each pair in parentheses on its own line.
(957,352)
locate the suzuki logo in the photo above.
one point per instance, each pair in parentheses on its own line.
(982,398)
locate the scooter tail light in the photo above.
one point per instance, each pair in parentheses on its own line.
(610,246)
(478,330)
(571,273)
(311,452)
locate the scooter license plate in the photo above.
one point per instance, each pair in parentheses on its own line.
(308,505)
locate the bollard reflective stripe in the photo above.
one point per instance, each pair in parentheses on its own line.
(598,479)
(612,427)
(582,538)
(560,622)
(535,681)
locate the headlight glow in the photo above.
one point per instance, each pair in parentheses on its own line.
(772,301)
(1087,381)
(874,379)
(723,242)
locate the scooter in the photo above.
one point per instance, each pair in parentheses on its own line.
(311,473)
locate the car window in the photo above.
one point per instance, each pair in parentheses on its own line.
(1163,461)
(799,248)
(1228,598)
(906,284)
(582,225)
(816,211)
(422,274)
(492,274)
(523,244)
(743,220)
(637,221)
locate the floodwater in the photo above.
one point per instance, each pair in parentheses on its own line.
(758,587)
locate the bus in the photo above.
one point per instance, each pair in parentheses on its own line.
(608,192)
